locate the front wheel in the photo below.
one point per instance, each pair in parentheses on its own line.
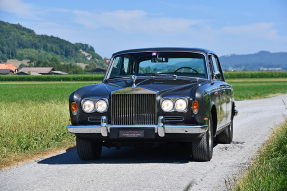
(88,150)
(202,148)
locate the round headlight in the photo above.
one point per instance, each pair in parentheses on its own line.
(88,106)
(101,106)
(167,105)
(180,105)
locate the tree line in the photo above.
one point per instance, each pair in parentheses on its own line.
(18,42)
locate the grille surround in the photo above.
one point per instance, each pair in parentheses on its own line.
(133,109)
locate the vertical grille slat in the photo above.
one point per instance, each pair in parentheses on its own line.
(133,109)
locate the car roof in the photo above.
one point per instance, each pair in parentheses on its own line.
(164,49)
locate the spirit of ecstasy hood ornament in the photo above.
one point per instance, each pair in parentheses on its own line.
(134,78)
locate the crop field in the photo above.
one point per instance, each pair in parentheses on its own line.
(255,74)
(34,115)
(99,77)
(49,78)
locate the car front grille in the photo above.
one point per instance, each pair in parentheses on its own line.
(133,109)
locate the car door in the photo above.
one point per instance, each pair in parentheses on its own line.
(222,85)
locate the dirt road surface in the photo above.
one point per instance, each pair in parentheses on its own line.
(156,168)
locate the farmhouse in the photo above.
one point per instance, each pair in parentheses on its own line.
(270,69)
(6,71)
(59,72)
(36,71)
(8,67)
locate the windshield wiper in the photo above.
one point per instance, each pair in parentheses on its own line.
(162,75)
(118,77)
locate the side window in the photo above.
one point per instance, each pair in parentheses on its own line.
(211,69)
(121,67)
(216,71)
(126,65)
(116,67)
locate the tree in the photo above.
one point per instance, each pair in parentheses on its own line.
(244,69)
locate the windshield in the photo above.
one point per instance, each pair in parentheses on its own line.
(159,63)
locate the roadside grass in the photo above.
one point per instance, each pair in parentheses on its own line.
(269,170)
(34,115)
(33,120)
(28,127)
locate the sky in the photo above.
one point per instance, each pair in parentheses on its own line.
(223,26)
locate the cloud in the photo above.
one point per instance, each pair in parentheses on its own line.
(134,21)
(17,6)
(84,18)
(254,30)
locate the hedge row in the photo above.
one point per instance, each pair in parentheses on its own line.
(258,74)
(99,77)
(74,77)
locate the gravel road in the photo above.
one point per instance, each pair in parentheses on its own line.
(157,168)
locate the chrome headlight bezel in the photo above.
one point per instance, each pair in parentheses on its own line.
(174,100)
(95,104)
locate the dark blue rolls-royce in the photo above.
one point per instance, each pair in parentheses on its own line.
(155,95)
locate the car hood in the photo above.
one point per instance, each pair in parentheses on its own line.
(163,87)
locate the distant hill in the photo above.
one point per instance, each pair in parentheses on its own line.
(18,42)
(255,61)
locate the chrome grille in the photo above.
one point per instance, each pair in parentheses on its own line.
(133,109)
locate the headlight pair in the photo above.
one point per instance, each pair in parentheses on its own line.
(91,105)
(174,104)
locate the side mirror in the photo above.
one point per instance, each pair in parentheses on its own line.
(217,75)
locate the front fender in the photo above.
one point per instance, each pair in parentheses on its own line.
(202,95)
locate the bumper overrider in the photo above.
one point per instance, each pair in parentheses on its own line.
(161,129)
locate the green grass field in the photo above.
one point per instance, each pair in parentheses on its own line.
(257,88)
(34,115)
(38,91)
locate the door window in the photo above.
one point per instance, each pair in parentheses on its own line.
(216,70)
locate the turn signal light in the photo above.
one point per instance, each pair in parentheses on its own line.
(74,108)
(195,107)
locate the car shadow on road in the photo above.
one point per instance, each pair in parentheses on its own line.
(127,155)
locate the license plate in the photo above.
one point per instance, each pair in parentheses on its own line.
(131,133)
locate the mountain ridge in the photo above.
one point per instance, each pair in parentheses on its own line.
(255,61)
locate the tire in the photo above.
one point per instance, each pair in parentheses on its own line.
(202,148)
(88,150)
(226,136)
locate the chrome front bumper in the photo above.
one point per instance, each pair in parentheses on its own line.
(160,128)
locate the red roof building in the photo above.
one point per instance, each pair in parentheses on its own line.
(9,66)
